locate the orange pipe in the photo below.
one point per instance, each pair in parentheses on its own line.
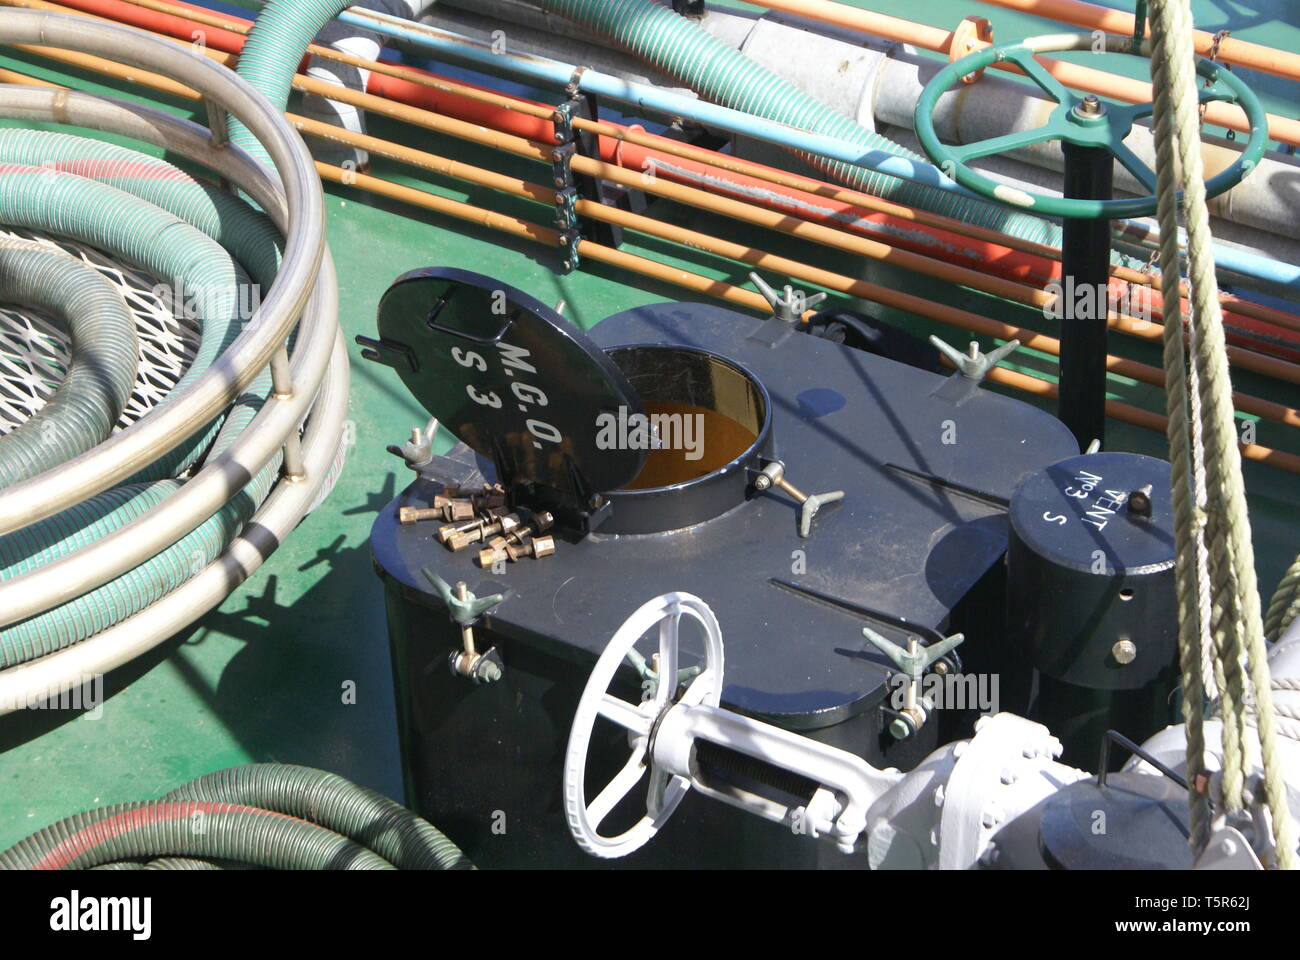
(536,127)
(416,87)
(594,251)
(729,293)
(1073,75)
(1239,53)
(85,61)
(1139,417)
(757,216)
(991,249)
(545,235)
(755,257)
(806,196)
(521,147)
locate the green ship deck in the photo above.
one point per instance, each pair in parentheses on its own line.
(266,676)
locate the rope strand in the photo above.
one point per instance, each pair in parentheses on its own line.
(1236,622)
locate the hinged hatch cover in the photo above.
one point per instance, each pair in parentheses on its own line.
(508,376)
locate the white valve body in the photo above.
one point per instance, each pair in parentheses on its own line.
(945,813)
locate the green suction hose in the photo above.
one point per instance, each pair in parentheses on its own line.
(266,815)
(159,242)
(370,818)
(129,227)
(141,830)
(248,234)
(105,357)
(280,35)
(101,608)
(171,863)
(723,75)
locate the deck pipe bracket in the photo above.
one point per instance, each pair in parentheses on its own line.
(572,187)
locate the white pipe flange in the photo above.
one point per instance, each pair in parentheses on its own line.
(665,790)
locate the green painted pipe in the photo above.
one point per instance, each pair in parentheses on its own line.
(104,357)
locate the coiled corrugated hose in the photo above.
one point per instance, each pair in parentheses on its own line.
(271,815)
(104,357)
(142,233)
(168,231)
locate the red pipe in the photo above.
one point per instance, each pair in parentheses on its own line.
(953,247)
(227,41)
(1001,260)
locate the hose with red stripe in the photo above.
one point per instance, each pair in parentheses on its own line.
(274,816)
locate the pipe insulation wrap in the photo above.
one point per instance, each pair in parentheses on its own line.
(104,357)
(365,45)
(278,816)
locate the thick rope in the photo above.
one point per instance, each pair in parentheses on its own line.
(1236,622)
(1285,605)
(1184,455)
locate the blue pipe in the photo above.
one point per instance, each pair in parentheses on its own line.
(663,102)
(1266,269)
(545,70)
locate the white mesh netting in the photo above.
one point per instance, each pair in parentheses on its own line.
(34,351)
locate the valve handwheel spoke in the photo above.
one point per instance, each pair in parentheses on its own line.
(1134,165)
(1082,122)
(627,715)
(1038,73)
(1002,144)
(664,790)
(1092,134)
(667,685)
(618,788)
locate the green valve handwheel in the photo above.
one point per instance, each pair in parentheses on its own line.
(1082,121)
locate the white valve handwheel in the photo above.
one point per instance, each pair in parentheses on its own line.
(665,790)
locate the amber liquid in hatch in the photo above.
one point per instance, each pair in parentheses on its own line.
(715,437)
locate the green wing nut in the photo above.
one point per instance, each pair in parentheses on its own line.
(463,609)
(915,659)
(419,449)
(647,672)
(792,305)
(973,364)
(773,475)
